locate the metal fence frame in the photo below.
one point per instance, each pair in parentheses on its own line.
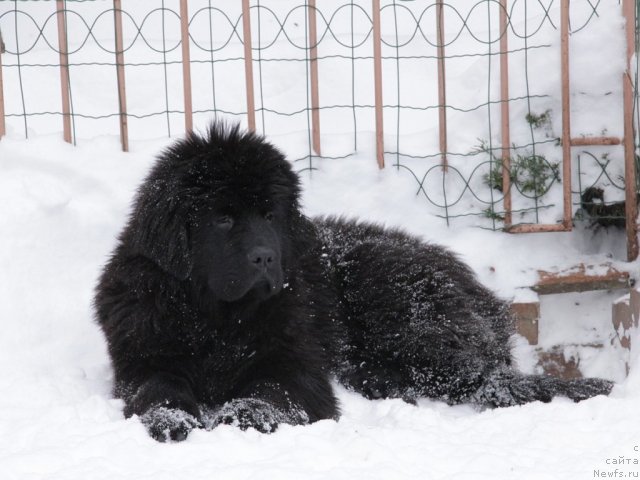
(628,142)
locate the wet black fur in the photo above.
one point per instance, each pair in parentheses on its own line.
(603,214)
(198,337)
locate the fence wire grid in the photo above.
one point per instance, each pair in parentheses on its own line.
(469,185)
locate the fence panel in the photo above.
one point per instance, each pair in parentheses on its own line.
(493,118)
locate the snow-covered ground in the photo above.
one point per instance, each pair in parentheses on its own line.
(62,207)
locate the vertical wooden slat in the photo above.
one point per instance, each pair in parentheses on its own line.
(186,66)
(566,113)
(64,69)
(504,110)
(442,88)
(248,65)
(377,77)
(631,202)
(567,224)
(313,66)
(3,128)
(122,95)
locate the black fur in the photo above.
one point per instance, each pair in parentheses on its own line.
(222,303)
(603,214)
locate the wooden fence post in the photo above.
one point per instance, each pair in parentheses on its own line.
(3,128)
(566,114)
(186,66)
(313,66)
(504,111)
(248,65)
(377,76)
(442,85)
(122,95)
(631,196)
(64,69)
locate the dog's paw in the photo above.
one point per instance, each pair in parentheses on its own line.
(172,424)
(249,413)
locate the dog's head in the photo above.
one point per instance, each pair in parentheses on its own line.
(221,210)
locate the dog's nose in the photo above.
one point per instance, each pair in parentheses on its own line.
(262,257)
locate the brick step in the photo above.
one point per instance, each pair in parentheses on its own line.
(555,362)
(582,278)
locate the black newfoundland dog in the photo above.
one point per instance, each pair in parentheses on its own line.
(223,303)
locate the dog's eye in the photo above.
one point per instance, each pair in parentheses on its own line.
(224,221)
(268,216)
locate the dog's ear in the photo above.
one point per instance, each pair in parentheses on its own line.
(158,228)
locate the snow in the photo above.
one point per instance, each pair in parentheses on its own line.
(62,207)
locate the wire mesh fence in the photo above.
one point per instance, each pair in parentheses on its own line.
(482,147)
